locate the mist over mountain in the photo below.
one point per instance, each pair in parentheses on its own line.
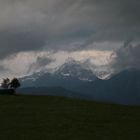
(74,80)
(69,75)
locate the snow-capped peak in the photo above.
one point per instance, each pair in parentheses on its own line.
(75,69)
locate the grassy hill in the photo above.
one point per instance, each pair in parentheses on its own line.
(59,118)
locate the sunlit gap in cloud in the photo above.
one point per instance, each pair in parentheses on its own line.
(97,58)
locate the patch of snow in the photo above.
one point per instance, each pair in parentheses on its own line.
(65,74)
(104,76)
(30,78)
(85,79)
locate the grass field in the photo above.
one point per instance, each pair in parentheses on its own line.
(59,118)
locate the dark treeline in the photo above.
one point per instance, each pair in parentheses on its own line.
(9,86)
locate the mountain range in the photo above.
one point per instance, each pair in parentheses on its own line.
(74,80)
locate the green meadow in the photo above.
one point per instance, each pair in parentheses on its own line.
(60,118)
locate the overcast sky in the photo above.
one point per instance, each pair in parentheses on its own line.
(36,33)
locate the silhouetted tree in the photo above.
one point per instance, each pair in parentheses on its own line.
(5,83)
(14,83)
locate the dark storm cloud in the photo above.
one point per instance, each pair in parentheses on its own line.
(60,24)
(13,42)
(127,57)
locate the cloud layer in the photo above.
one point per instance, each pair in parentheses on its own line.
(51,24)
(57,26)
(127,57)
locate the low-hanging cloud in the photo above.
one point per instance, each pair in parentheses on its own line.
(33,25)
(39,64)
(127,57)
